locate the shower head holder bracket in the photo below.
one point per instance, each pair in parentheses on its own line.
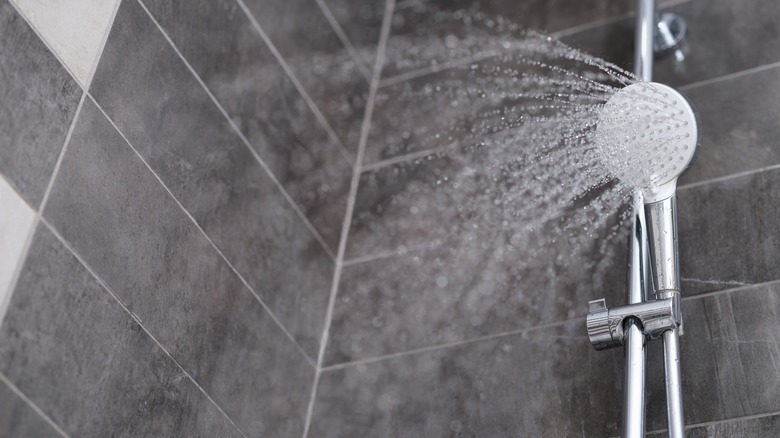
(606,326)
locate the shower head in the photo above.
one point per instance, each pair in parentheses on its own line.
(646,137)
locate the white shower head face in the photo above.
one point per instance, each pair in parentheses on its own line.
(646,137)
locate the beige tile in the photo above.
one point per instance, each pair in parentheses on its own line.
(16,222)
(74,29)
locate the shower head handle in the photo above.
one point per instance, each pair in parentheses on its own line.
(661,219)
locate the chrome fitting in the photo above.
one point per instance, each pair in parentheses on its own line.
(606,326)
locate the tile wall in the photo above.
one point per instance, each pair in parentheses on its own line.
(174,182)
(177,177)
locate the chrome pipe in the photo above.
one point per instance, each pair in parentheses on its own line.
(643,39)
(665,266)
(634,392)
(674,405)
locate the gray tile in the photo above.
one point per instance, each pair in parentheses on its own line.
(739,126)
(728,233)
(318,58)
(362,23)
(465,289)
(546,383)
(39,100)
(84,361)
(18,419)
(729,356)
(725,37)
(550,382)
(763,427)
(111,209)
(231,58)
(164,112)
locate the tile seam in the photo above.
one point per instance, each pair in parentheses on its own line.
(26,248)
(400,159)
(39,211)
(365,125)
(102,47)
(136,319)
(192,220)
(243,138)
(28,243)
(424,71)
(288,70)
(46,44)
(453,344)
(334,24)
(423,153)
(493,336)
(433,69)
(85,94)
(4,379)
(394,252)
(729,76)
(720,179)
(609,20)
(723,421)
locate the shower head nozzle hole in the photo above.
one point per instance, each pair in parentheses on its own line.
(642,127)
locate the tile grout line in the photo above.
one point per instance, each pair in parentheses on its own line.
(93,68)
(28,243)
(343,37)
(516,332)
(33,406)
(729,76)
(39,218)
(135,318)
(604,21)
(364,129)
(725,77)
(569,31)
(243,138)
(46,43)
(609,20)
(206,236)
(451,344)
(409,157)
(436,68)
(39,211)
(286,67)
(420,154)
(423,71)
(723,421)
(395,252)
(728,177)
(737,289)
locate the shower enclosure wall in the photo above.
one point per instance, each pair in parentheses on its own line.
(199,201)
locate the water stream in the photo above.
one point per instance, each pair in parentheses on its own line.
(492,130)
